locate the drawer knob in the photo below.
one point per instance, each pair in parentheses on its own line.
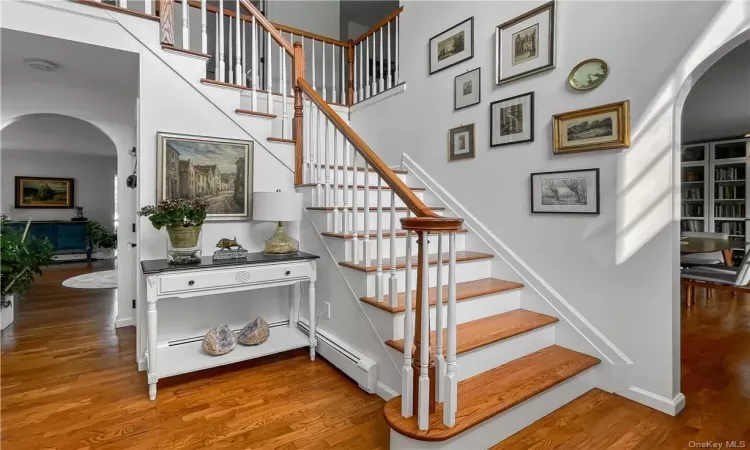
(288,272)
(191,282)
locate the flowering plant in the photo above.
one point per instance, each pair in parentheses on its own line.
(175,212)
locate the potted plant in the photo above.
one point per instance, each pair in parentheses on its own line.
(183,220)
(101,237)
(23,256)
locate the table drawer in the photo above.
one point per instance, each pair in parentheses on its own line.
(227,278)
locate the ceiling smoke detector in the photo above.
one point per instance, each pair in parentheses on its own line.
(41,64)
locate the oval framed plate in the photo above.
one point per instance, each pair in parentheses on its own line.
(588,74)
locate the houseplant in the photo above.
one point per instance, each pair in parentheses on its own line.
(100,236)
(23,255)
(183,220)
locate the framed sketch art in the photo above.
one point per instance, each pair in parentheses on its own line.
(525,45)
(512,120)
(219,171)
(461,143)
(466,89)
(44,192)
(565,192)
(452,46)
(598,128)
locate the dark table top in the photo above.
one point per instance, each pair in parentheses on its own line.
(709,245)
(207,262)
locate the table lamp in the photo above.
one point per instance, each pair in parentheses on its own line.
(278,207)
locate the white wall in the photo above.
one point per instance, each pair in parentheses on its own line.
(93,175)
(316,16)
(617,269)
(719,104)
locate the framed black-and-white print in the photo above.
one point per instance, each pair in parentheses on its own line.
(525,45)
(512,120)
(452,46)
(461,143)
(565,192)
(467,89)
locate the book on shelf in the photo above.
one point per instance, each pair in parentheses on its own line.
(691,225)
(729,173)
(728,210)
(736,228)
(724,192)
(692,210)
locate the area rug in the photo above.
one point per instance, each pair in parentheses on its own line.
(105,279)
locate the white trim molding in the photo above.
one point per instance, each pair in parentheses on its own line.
(667,406)
(385,392)
(395,90)
(124,322)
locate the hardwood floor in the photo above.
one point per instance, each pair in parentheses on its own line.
(69,381)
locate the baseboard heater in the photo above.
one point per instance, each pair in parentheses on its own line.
(358,367)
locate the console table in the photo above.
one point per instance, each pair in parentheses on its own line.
(210,277)
(67,237)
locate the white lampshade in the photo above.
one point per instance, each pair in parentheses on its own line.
(277,206)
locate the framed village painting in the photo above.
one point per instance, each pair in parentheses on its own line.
(598,128)
(466,89)
(512,120)
(219,171)
(452,46)
(44,192)
(565,192)
(461,143)
(525,45)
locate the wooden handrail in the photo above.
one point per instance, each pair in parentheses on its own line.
(378,25)
(309,35)
(268,26)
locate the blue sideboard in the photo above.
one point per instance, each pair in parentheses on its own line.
(66,237)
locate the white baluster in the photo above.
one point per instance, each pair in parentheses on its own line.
(398,44)
(343,75)
(450,398)
(239,73)
(230,72)
(185,26)
(356,80)
(220,18)
(254,66)
(367,67)
(366,238)
(122,3)
(381,82)
(374,66)
(355,212)
(388,69)
(439,359)
(148,7)
(379,245)
(336,217)
(323,90)
(204,28)
(345,213)
(423,416)
(291,68)
(319,158)
(217,66)
(269,74)
(243,68)
(333,72)
(327,162)
(361,73)
(282,79)
(407,374)
(392,282)
(306,172)
(313,66)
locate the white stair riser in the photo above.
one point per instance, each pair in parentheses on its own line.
(342,249)
(391,326)
(501,426)
(350,178)
(324,220)
(496,354)
(364,283)
(310,199)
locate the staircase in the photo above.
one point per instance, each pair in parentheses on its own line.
(475,366)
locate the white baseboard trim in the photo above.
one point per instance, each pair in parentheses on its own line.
(667,406)
(126,322)
(385,392)
(395,90)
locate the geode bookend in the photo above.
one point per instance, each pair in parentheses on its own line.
(254,333)
(219,340)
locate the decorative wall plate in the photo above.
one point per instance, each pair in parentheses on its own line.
(588,74)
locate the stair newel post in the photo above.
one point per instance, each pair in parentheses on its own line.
(366,212)
(345,222)
(392,282)
(185,26)
(166,21)
(451,375)
(424,389)
(336,211)
(268,59)
(204,28)
(298,130)
(355,212)
(379,245)
(220,18)
(439,360)
(407,373)
(351,90)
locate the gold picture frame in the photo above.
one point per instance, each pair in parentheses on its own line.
(604,127)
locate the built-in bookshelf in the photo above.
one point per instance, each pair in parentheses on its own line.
(714,189)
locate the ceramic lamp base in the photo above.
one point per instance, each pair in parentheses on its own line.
(280,243)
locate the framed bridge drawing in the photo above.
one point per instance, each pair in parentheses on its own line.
(219,171)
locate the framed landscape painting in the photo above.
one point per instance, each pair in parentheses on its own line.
(512,120)
(452,46)
(44,192)
(525,45)
(598,128)
(565,192)
(219,171)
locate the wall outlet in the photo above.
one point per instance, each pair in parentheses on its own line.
(328,310)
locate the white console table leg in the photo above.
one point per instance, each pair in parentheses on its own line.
(153,374)
(313,317)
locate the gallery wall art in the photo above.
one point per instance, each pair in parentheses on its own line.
(461,143)
(452,46)
(218,171)
(44,192)
(525,45)
(588,74)
(565,192)
(467,89)
(598,128)
(512,120)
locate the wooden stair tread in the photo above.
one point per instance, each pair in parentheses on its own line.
(488,330)
(462,256)
(361,186)
(184,51)
(372,208)
(464,291)
(282,140)
(483,396)
(249,112)
(359,169)
(223,84)
(386,234)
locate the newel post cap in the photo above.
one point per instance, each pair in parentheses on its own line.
(432,224)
